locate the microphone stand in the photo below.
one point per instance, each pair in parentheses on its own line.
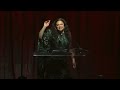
(22,76)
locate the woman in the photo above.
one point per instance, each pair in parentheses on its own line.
(58,37)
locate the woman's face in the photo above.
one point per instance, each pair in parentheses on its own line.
(60,25)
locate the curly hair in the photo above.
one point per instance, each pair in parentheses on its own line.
(66,29)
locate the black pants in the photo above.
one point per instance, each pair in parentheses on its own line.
(41,67)
(53,68)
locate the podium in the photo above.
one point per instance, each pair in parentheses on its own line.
(52,53)
(42,54)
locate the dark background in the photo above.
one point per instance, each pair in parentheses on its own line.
(96,31)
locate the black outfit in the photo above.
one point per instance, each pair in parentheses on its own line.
(53,67)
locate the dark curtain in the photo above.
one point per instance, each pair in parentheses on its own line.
(96,31)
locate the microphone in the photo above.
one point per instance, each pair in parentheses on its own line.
(81,50)
(78,45)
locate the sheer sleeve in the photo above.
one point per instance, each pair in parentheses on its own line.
(44,43)
(70,40)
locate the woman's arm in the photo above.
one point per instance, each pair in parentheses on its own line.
(71,51)
(46,24)
(73,58)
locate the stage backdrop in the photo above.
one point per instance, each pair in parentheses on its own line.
(96,31)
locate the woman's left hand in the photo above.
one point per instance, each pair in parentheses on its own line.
(73,58)
(73,62)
